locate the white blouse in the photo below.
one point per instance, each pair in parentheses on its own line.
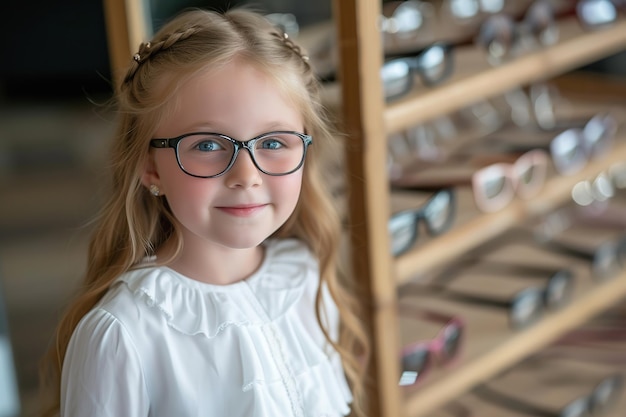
(163,345)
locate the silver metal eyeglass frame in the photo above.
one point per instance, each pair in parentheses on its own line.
(247,144)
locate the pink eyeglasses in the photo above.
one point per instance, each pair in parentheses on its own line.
(419,358)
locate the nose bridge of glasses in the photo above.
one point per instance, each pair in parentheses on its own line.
(245,145)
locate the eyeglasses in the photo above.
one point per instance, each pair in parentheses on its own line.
(420,357)
(405,19)
(208,155)
(496,185)
(433,65)
(444,136)
(606,260)
(572,148)
(467,10)
(503,38)
(527,305)
(559,286)
(599,400)
(594,14)
(437,214)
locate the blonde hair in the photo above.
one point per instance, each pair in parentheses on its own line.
(134,224)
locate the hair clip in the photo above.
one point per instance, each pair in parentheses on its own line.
(289,43)
(144,47)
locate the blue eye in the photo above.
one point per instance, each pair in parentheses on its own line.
(208,146)
(271,143)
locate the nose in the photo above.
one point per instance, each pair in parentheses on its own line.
(244,172)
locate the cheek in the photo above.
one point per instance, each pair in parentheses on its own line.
(288,189)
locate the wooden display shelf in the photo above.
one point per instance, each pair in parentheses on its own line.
(516,347)
(485,227)
(576,48)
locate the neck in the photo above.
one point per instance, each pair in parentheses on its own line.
(214,264)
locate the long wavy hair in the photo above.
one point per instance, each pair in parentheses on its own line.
(134,224)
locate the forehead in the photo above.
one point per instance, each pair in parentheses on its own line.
(234,96)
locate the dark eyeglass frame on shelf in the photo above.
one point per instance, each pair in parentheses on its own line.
(441,202)
(433,64)
(603,395)
(559,287)
(606,260)
(527,305)
(441,350)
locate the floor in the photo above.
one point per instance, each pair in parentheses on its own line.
(52,157)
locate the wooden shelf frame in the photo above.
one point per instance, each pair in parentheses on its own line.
(366,119)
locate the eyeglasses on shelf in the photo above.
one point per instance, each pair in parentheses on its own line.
(440,138)
(437,213)
(503,38)
(524,308)
(466,11)
(559,286)
(433,65)
(419,358)
(574,147)
(606,260)
(494,186)
(402,20)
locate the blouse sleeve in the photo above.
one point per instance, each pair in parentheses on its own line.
(102,374)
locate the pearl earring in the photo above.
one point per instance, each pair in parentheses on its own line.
(154,190)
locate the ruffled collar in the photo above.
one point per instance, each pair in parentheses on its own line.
(193,307)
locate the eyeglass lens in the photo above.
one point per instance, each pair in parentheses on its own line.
(605,394)
(467,9)
(414,365)
(406,19)
(595,13)
(526,307)
(206,155)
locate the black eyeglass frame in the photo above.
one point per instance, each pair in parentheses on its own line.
(415,66)
(421,214)
(161,143)
(543,294)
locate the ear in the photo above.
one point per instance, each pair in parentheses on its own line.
(150,176)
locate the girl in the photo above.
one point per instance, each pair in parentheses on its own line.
(211,287)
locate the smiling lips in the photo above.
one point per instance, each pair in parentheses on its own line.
(243,210)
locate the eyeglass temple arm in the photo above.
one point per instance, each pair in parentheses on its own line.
(504,400)
(426,314)
(533,271)
(525,236)
(459,296)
